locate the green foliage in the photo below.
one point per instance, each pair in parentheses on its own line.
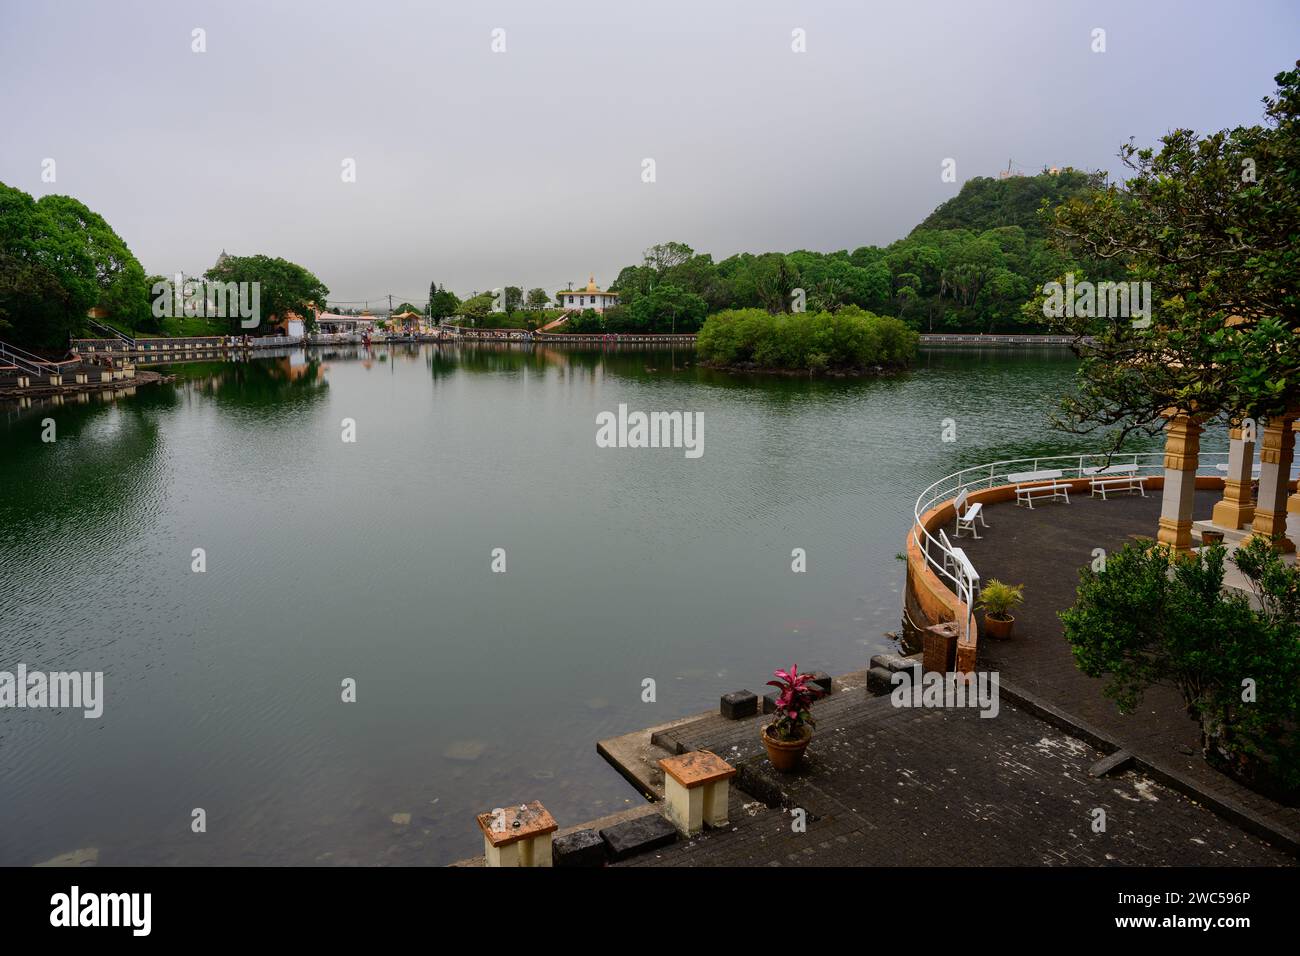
(442,304)
(998,600)
(848,340)
(284,287)
(969,267)
(1152,618)
(58,259)
(476,307)
(1212,223)
(984,204)
(587,322)
(520,319)
(537,299)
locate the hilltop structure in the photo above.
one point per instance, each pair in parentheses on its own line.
(589,298)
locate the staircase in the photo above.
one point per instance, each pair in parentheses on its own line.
(560,320)
(21,368)
(113,333)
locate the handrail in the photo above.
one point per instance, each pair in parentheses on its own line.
(32,364)
(990,475)
(113,333)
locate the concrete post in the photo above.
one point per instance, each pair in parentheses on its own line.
(517,836)
(1275,456)
(938,647)
(696,788)
(1182,448)
(1237,508)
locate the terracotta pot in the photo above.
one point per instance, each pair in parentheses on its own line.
(785,754)
(1211,537)
(998,628)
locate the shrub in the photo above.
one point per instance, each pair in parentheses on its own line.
(850,339)
(1154,618)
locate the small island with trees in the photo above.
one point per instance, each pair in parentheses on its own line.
(851,341)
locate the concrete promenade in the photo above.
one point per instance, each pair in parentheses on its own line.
(890,786)
(1044,549)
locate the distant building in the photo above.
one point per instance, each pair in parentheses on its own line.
(332,323)
(588,298)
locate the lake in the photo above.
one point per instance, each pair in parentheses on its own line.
(373,561)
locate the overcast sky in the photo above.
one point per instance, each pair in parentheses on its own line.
(480,169)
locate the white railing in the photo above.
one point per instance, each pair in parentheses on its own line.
(978,477)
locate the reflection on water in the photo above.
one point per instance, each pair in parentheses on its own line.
(329,560)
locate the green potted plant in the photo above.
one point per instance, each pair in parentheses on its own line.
(787,737)
(997,600)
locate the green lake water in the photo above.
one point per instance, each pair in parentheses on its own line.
(372,560)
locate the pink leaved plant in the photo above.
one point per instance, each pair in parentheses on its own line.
(793,704)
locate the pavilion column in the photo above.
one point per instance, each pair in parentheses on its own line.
(1182,451)
(1275,455)
(1237,508)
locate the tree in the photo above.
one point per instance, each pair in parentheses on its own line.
(538,299)
(34,304)
(476,306)
(57,243)
(1211,223)
(442,304)
(1153,617)
(283,287)
(665,255)
(407,307)
(666,308)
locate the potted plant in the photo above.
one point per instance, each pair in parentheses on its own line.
(786,738)
(997,600)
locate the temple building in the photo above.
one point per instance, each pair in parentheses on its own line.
(588,298)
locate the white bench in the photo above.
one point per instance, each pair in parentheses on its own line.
(958,564)
(1120,483)
(966,516)
(1031,485)
(967,571)
(1111,470)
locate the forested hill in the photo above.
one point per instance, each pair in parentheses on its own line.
(985,203)
(969,267)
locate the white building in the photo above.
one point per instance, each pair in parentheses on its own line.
(588,298)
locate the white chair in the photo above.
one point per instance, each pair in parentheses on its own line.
(967,516)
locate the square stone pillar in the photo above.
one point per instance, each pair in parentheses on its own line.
(1237,508)
(1277,450)
(1182,448)
(696,787)
(518,836)
(938,647)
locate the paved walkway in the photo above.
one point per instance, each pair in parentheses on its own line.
(888,786)
(1043,549)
